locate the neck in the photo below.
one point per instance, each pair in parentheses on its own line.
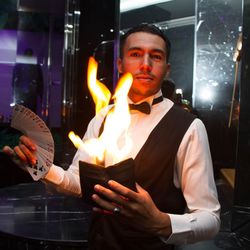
(135,98)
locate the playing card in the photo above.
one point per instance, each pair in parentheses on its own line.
(24,119)
(38,170)
(31,125)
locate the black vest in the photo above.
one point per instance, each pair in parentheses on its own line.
(154,165)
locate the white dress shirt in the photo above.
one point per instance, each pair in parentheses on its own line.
(193,173)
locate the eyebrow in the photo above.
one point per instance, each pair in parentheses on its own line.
(153,50)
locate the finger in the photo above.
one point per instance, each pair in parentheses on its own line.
(24,154)
(11,153)
(27,142)
(20,154)
(29,154)
(109,194)
(102,211)
(139,188)
(122,190)
(106,206)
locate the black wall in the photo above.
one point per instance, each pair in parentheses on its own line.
(96,20)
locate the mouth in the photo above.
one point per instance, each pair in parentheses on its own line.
(144,77)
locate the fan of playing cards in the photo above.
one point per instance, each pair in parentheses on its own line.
(31,125)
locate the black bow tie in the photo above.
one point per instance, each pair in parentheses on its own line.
(145,107)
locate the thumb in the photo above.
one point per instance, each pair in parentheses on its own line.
(8,151)
(139,188)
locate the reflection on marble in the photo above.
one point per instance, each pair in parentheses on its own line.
(219,23)
(29,212)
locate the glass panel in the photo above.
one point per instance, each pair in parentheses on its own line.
(90,30)
(8,47)
(29,82)
(203,35)
(31,65)
(71,50)
(218,27)
(178,24)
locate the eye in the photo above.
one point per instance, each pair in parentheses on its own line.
(157,57)
(135,54)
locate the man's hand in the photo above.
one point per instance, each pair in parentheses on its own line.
(24,153)
(138,207)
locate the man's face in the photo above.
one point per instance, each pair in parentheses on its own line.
(144,56)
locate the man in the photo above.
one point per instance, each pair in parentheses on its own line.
(176,199)
(168,89)
(27,82)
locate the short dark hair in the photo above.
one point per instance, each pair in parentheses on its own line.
(148,28)
(28,52)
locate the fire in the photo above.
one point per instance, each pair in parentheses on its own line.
(100,93)
(114,142)
(93,147)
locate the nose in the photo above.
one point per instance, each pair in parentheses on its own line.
(146,64)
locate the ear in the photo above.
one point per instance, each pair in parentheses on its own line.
(168,70)
(119,65)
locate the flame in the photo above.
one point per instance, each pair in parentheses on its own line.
(75,139)
(114,142)
(114,137)
(93,147)
(100,93)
